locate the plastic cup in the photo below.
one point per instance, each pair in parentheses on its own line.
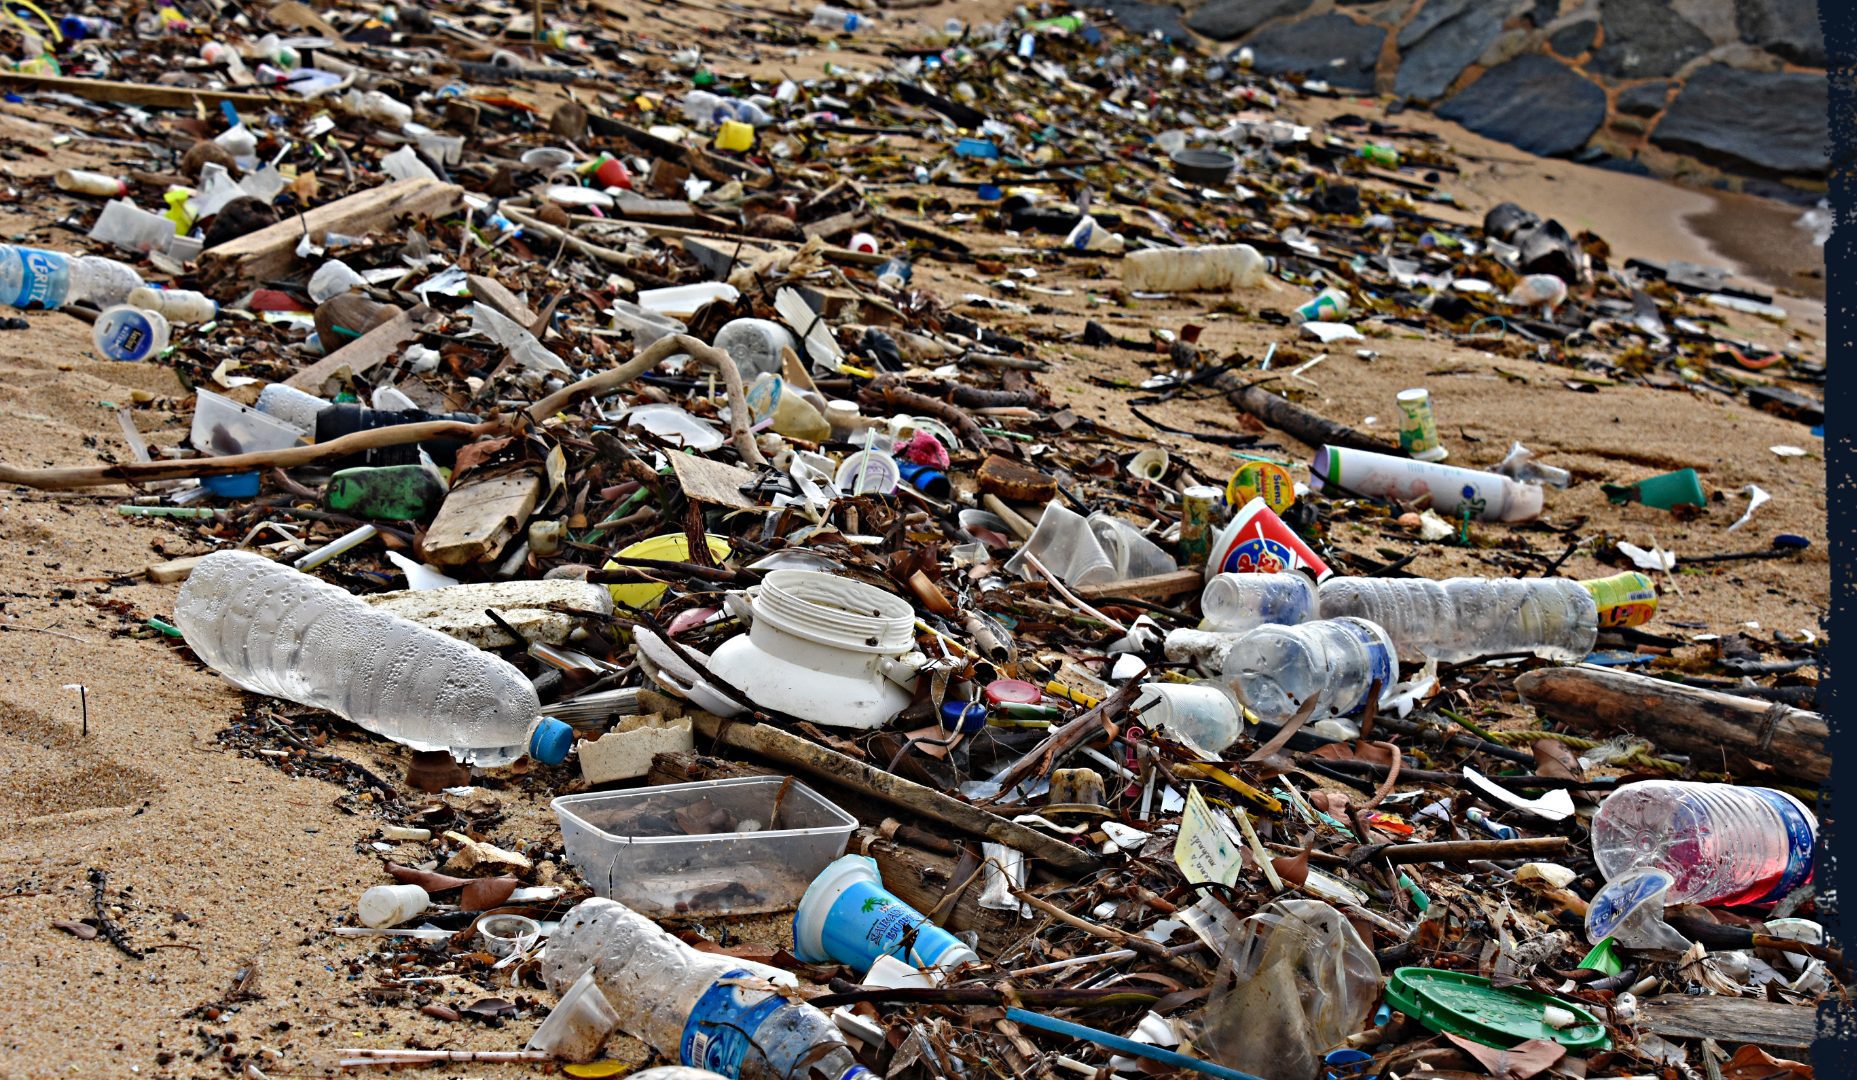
(1680,488)
(505,934)
(579,1024)
(849,917)
(1202,715)
(1257,541)
(1347,1064)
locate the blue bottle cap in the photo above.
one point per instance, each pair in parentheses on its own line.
(550,741)
(964,716)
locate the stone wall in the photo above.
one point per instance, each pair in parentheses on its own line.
(1734,87)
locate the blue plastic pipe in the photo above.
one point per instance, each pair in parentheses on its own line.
(1124,1046)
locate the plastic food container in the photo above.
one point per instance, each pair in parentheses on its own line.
(703,848)
(223,427)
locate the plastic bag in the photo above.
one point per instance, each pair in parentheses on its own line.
(1296,981)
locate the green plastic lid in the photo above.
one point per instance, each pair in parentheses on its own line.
(1467,1005)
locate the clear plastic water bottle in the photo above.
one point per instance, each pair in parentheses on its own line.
(829,17)
(683,1003)
(274,630)
(1234,603)
(36,278)
(1277,669)
(1724,844)
(1461,619)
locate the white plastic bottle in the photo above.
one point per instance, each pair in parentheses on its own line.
(683,1004)
(1460,619)
(1234,603)
(1277,669)
(35,278)
(828,17)
(180,306)
(85,182)
(128,333)
(274,630)
(1449,488)
(391,905)
(1199,269)
(1724,844)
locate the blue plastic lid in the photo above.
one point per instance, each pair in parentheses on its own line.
(968,716)
(235,486)
(550,741)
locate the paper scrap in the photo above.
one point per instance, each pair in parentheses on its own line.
(1204,850)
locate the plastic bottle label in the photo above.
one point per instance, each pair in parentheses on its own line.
(34,278)
(126,335)
(1799,838)
(721,1028)
(1628,599)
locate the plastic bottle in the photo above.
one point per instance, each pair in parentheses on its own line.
(827,17)
(85,182)
(755,345)
(1235,603)
(1487,496)
(676,999)
(35,278)
(1276,669)
(181,306)
(276,631)
(1724,844)
(1461,619)
(128,333)
(344,419)
(391,905)
(292,406)
(1198,269)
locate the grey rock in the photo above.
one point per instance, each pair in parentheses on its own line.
(1429,67)
(1574,38)
(1645,99)
(1313,46)
(1770,122)
(1531,102)
(1223,20)
(1144,19)
(1645,38)
(1434,14)
(1787,28)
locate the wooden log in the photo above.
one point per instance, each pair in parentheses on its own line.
(365,353)
(271,252)
(491,293)
(1718,728)
(814,760)
(1294,420)
(131,93)
(1148,588)
(1731,1020)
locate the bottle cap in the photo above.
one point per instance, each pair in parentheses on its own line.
(550,741)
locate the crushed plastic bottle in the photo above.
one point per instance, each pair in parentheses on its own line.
(702,1009)
(36,278)
(1722,843)
(1275,670)
(1460,619)
(1200,269)
(276,631)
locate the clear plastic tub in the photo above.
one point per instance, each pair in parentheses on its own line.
(703,848)
(222,427)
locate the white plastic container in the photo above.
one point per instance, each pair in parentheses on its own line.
(1217,267)
(624,844)
(84,182)
(179,306)
(682,301)
(822,648)
(755,345)
(222,427)
(391,905)
(129,333)
(579,1024)
(1382,476)
(1202,715)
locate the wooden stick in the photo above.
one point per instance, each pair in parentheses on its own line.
(1714,726)
(1142,945)
(654,354)
(1146,588)
(131,93)
(789,749)
(135,472)
(1063,740)
(364,353)
(1305,426)
(1456,851)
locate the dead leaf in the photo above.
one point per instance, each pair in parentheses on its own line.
(1752,1063)
(1554,759)
(1516,1063)
(490,1008)
(429,881)
(486,893)
(80,930)
(1293,869)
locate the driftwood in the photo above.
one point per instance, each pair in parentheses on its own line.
(1718,728)
(654,354)
(1770,1024)
(1146,588)
(133,93)
(1294,420)
(365,353)
(271,252)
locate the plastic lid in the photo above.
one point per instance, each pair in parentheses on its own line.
(1459,1004)
(963,716)
(1623,896)
(550,741)
(1013,692)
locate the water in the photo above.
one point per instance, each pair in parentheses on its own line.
(1722,843)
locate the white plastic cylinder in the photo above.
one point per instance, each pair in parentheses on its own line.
(1213,268)
(391,905)
(1382,476)
(181,306)
(128,333)
(755,345)
(292,406)
(84,182)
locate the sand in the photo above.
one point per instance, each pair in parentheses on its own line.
(220,861)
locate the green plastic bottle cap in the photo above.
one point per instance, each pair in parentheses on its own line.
(1459,1004)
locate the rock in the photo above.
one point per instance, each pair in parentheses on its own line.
(1144,19)
(1531,102)
(1314,45)
(1787,28)
(1434,14)
(1574,38)
(1646,99)
(1645,38)
(1771,121)
(542,611)
(1429,67)
(625,752)
(1223,20)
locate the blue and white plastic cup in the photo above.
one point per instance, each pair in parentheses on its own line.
(847,916)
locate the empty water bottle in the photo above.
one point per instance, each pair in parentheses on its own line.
(35,278)
(1461,619)
(1235,603)
(828,17)
(1275,670)
(700,1009)
(1722,843)
(274,630)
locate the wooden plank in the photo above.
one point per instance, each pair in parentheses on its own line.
(1731,1020)
(271,252)
(1687,719)
(480,517)
(365,353)
(128,93)
(838,224)
(173,570)
(493,295)
(1176,583)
